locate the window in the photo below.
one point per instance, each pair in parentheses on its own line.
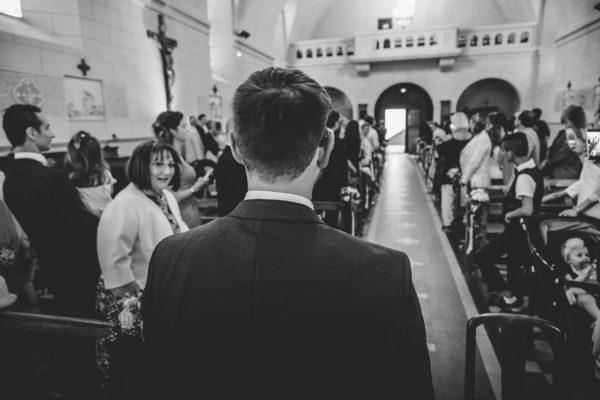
(398,42)
(421,41)
(498,39)
(298,54)
(433,40)
(309,53)
(473,41)
(11,7)
(384,23)
(524,37)
(486,40)
(386,44)
(319,52)
(511,38)
(329,52)
(409,41)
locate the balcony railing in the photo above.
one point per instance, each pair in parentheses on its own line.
(497,38)
(402,45)
(322,51)
(440,42)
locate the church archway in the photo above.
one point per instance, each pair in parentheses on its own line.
(491,94)
(340,102)
(418,109)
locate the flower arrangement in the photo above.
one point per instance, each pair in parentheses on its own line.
(125,315)
(479,196)
(351,195)
(8,257)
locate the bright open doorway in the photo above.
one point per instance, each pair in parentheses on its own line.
(395,125)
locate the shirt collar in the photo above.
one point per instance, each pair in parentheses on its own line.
(32,156)
(526,165)
(279,196)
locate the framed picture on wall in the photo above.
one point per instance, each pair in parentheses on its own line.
(215,107)
(596,99)
(85,98)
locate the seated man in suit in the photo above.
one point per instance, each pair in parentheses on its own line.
(269,302)
(61,231)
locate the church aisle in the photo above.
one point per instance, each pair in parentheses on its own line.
(405,219)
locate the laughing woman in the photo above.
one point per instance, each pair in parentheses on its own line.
(139,217)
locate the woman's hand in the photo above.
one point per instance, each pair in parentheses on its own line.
(572,212)
(202,181)
(130,288)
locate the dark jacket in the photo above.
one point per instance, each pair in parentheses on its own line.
(208,140)
(563,163)
(511,202)
(231,181)
(61,231)
(334,177)
(269,302)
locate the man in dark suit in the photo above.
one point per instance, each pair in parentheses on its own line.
(269,302)
(230,178)
(50,211)
(61,231)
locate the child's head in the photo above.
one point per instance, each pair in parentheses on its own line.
(84,160)
(574,252)
(515,146)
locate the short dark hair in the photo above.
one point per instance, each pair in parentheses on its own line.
(201,116)
(526,119)
(166,121)
(497,119)
(333,118)
(84,161)
(537,112)
(369,120)
(138,165)
(279,118)
(17,118)
(576,115)
(478,119)
(517,143)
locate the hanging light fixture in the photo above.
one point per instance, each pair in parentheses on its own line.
(403,15)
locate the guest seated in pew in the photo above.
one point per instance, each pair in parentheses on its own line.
(88,172)
(586,188)
(522,200)
(581,269)
(17,259)
(563,162)
(139,217)
(230,178)
(475,156)
(171,128)
(449,165)
(63,234)
(269,302)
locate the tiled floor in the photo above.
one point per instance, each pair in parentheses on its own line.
(404,219)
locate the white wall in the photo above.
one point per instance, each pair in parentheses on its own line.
(111,36)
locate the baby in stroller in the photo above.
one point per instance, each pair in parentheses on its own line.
(581,269)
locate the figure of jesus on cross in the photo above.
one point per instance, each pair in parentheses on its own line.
(166,45)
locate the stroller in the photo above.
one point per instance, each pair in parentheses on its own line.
(547,271)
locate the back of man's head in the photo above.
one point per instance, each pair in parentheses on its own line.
(279,118)
(517,143)
(17,118)
(333,119)
(537,113)
(526,118)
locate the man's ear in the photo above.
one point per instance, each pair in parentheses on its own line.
(31,133)
(325,151)
(234,149)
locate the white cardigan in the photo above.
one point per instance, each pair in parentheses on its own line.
(475,160)
(129,230)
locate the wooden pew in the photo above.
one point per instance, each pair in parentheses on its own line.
(35,319)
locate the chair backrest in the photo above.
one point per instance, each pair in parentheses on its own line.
(514,332)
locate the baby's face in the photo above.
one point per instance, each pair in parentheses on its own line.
(579,256)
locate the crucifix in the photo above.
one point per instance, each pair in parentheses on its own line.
(83,67)
(166,45)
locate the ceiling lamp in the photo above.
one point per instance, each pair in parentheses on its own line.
(403,15)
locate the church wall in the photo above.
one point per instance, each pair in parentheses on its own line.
(111,37)
(517,69)
(344,18)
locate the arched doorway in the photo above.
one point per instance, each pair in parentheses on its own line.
(404,101)
(340,102)
(489,95)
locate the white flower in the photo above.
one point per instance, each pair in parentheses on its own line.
(126,319)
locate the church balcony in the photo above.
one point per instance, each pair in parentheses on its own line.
(443,43)
(497,38)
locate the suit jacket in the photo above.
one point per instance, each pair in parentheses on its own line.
(269,302)
(61,231)
(231,181)
(334,176)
